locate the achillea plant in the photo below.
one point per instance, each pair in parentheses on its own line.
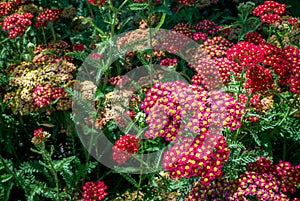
(94,191)
(37,85)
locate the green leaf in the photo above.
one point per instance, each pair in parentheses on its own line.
(164,9)
(58,165)
(138,6)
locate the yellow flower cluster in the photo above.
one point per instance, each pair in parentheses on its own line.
(27,76)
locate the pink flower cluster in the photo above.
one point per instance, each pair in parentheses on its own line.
(17,24)
(200,31)
(47,15)
(124,147)
(39,136)
(262,180)
(270,11)
(43,95)
(225,66)
(217,46)
(200,156)
(94,191)
(175,107)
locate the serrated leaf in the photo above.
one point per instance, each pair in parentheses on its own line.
(164,9)
(58,165)
(5,177)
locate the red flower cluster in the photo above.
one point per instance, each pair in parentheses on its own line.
(48,15)
(94,191)
(202,156)
(78,47)
(255,38)
(246,53)
(259,79)
(17,24)
(97,2)
(43,95)
(292,56)
(6,8)
(23,2)
(270,11)
(293,21)
(186,2)
(39,136)
(262,180)
(59,50)
(124,147)
(168,62)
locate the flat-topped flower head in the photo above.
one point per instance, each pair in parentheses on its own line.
(94,191)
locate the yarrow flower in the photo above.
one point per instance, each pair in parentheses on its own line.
(36,85)
(48,15)
(270,11)
(43,95)
(168,62)
(78,47)
(97,2)
(261,180)
(94,191)
(217,46)
(168,105)
(245,53)
(186,2)
(200,156)
(293,21)
(255,38)
(39,136)
(259,79)
(225,66)
(16,24)
(7,7)
(124,147)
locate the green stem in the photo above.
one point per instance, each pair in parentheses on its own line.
(114,17)
(284,149)
(53,34)
(53,171)
(23,125)
(161,22)
(294,112)
(90,9)
(101,32)
(44,36)
(124,2)
(288,113)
